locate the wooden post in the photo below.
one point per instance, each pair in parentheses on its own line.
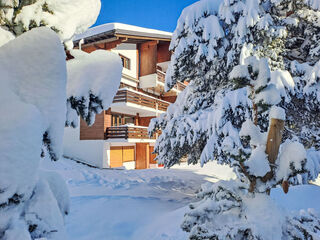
(273,145)
(136,118)
(274,139)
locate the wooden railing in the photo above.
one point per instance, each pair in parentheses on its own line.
(140,99)
(180,86)
(161,78)
(128,132)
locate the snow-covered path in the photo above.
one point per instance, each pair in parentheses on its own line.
(130,204)
(145,204)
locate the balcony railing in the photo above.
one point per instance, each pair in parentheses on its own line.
(161,78)
(128,132)
(129,96)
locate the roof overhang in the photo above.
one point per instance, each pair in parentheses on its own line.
(127,36)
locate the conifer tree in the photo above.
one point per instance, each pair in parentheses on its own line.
(249,63)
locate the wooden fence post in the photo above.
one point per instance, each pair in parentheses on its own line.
(274,139)
(272,149)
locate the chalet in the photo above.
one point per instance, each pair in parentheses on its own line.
(119,135)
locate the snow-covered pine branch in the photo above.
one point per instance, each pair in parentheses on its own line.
(93,81)
(66,18)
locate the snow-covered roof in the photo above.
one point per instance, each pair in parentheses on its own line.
(126,29)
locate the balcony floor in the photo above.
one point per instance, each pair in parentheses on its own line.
(133,109)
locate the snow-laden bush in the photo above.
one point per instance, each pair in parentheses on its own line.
(226,211)
(33,103)
(247,62)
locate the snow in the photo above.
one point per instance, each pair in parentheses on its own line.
(5,36)
(190,22)
(265,217)
(27,79)
(277,113)
(131,204)
(270,95)
(315,4)
(43,211)
(284,83)
(33,102)
(313,86)
(240,71)
(258,164)
(69,17)
(99,74)
(256,136)
(113,26)
(292,155)
(151,203)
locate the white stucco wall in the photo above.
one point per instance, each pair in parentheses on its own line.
(88,151)
(128,50)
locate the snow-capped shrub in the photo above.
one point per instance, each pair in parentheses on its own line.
(226,211)
(33,100)
(34,103)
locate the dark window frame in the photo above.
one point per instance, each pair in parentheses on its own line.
(126,62)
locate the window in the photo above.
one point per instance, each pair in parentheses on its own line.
(119,119)
(125,62)
(128,120)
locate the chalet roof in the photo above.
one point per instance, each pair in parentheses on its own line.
(110,30)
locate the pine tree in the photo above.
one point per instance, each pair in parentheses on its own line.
(247,61)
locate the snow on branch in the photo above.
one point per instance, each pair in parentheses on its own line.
(93,81)
(66,18)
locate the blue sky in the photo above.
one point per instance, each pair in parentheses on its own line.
(157,14)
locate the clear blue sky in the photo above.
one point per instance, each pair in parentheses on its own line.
(157,14)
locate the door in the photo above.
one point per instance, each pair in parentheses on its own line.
(128,154)
(116,157)
(119,155)
(142,155)
(152,156)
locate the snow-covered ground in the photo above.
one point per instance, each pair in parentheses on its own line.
(145,204)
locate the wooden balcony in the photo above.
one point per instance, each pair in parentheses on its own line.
(130,96)
(127,132)
(161,78)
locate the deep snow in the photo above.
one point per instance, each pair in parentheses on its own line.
(145,204)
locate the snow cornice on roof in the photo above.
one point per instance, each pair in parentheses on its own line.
(110,30)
